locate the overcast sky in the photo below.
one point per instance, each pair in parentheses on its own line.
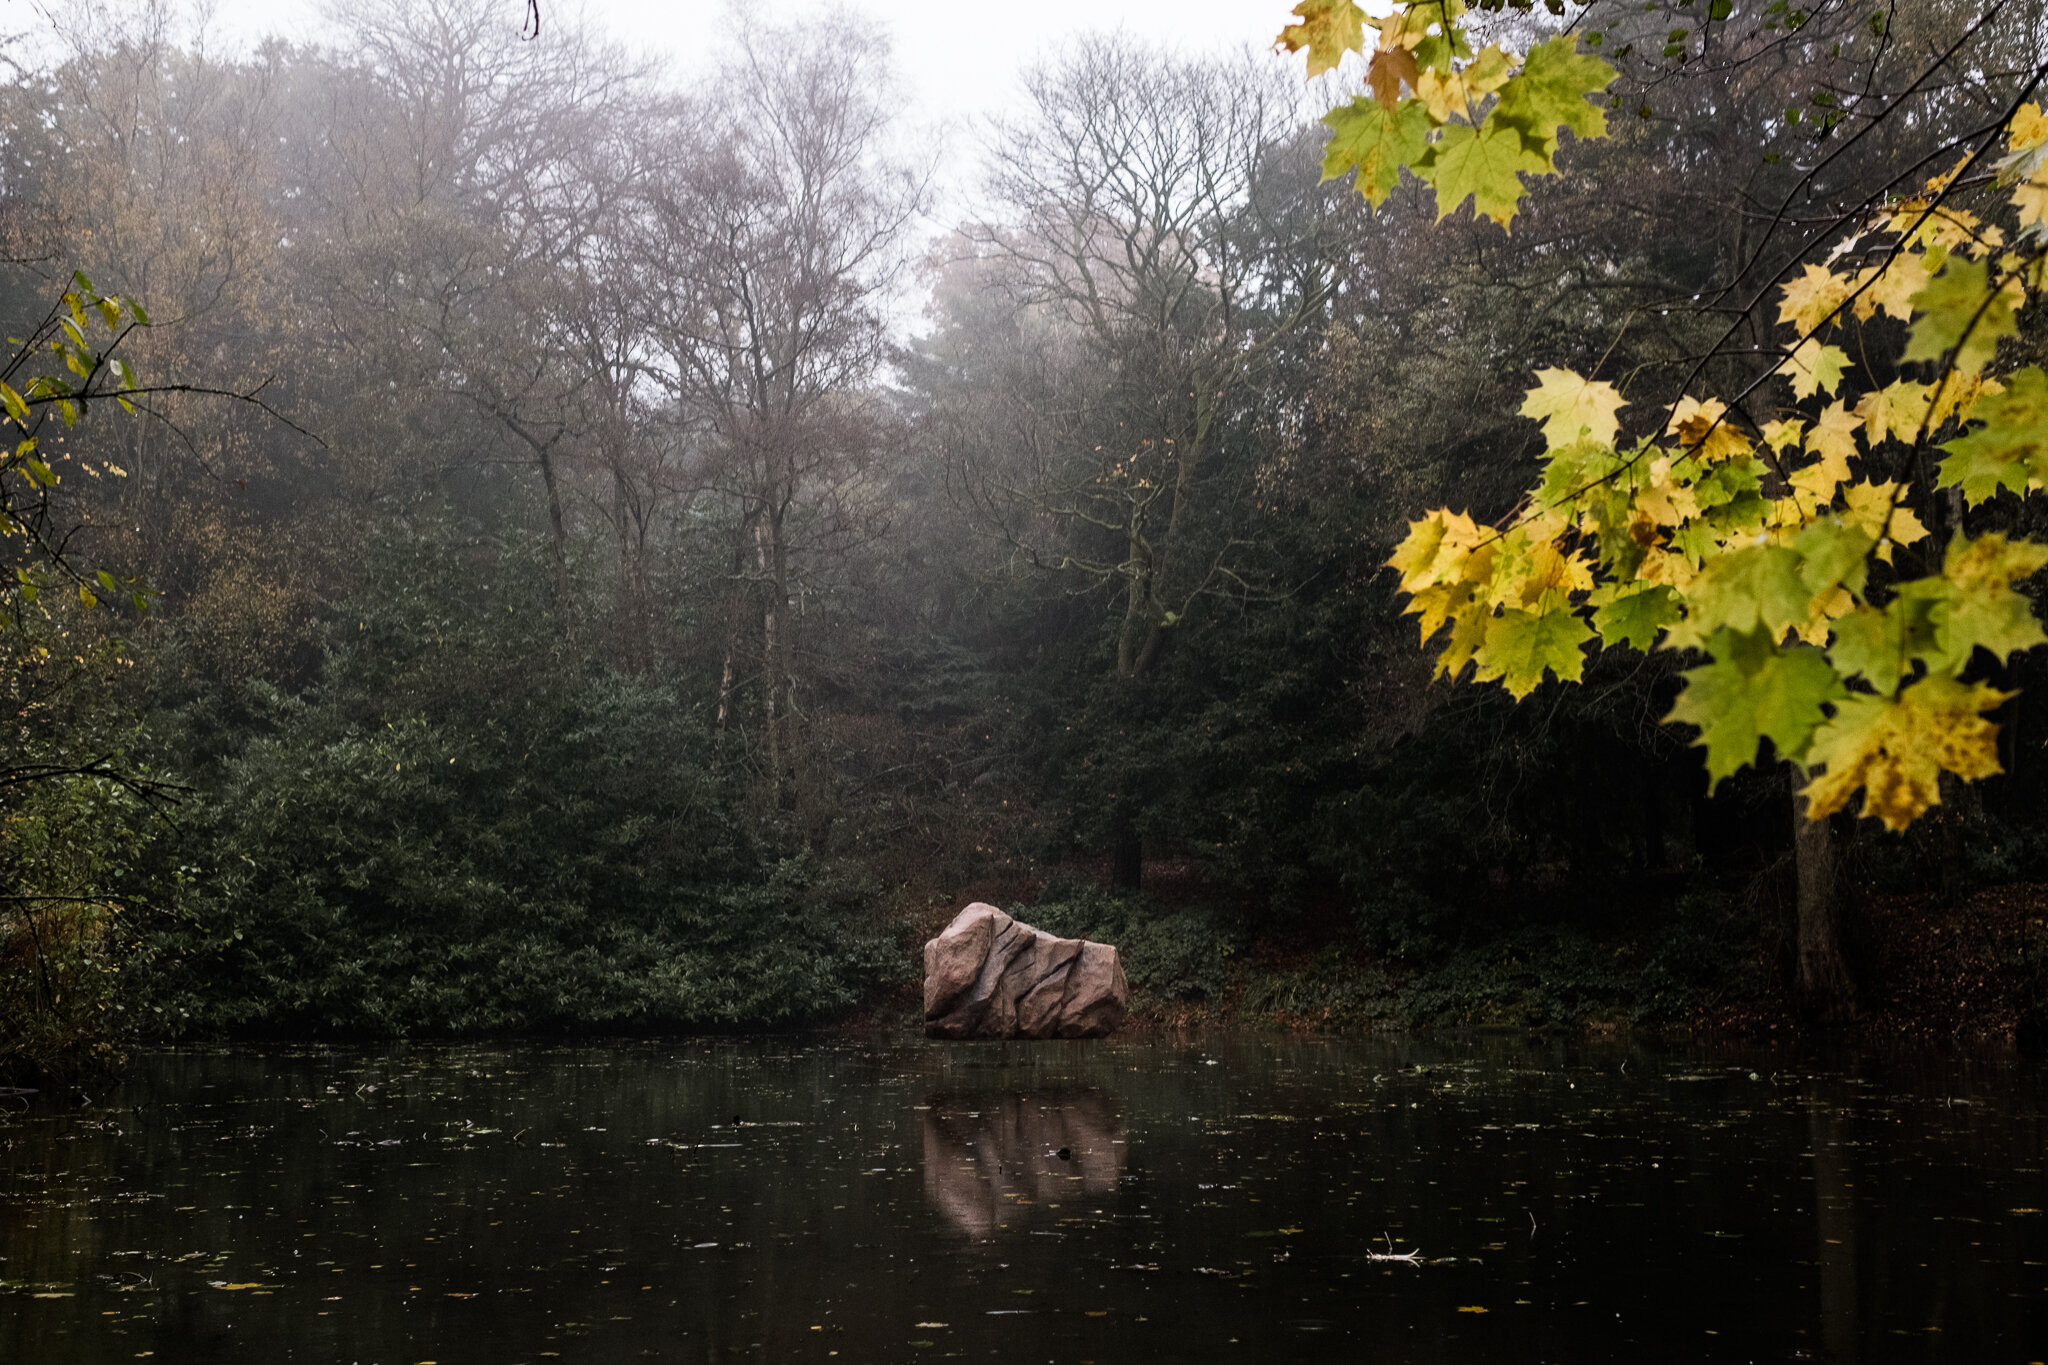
(958,60)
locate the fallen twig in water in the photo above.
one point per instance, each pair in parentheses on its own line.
(1412,1257)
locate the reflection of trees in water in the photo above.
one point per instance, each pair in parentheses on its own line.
(1834,1196)
(987,1156)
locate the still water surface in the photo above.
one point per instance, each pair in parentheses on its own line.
(795,1200)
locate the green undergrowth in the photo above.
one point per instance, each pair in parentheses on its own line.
(1407,967)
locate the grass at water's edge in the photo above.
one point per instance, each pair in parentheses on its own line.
(1931,970)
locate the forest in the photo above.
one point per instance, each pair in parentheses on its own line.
(532,544)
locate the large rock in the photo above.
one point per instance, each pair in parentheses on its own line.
(989,976)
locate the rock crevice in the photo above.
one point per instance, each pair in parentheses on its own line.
(989,976)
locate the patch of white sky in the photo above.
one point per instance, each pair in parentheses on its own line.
(958,66)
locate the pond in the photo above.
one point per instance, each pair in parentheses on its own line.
(1219,1200)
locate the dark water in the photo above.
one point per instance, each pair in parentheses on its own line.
(1051,1202)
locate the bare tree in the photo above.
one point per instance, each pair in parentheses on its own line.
(1160,234)
(780,241)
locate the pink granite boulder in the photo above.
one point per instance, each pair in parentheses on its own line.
(989,976)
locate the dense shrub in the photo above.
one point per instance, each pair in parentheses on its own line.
(469,825)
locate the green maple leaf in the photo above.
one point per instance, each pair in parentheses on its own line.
(1880,646)
(1752,691)
(1328,29)
(1979,609)
(2011,445)
(1817,368)
(1549,93)
(1520,645)
(1960,313)
(1482,164)
(1366,137)
(1833,554)
(1742,590)
(1634,620)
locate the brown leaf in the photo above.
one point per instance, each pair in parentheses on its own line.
(1390,67)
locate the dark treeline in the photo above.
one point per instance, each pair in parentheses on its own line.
(602,610)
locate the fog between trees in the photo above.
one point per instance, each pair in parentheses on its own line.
(599,609)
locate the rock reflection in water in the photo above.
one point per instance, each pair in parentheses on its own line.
(988,1157)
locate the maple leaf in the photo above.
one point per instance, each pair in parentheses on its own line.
(1483,164)
(1635,618)
(1957,395)
(1437,548)
(1390,69)
(1574,409)
(1833,554)
(1960,312)
(1366,137)
(1752,691)
(1978,608)
(1881,645)
(1443,93)
(1666,503)
(1744,589)
(1815,367)
(1414,558)
(1550,92)
(1819,480)
(2031,199)
(1896,409)
(1813,298)
(1878,509)
(1553,574)
(1834,434)
(1896,748)
(1784,434)
(1890,286)
(1408,25)
(2011,446)
(1328,29)
(1699,424)
(1521,645)
(2028,129)
(1469,626)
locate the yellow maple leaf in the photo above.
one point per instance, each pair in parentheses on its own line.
(1813,368)
(1469,626)
(1328,29)
(1699,425)
(1783,434)
(1896,409)
(1834,433)
(1890,287)
(1437,549)
(2028,129)
(1896,748)
(1443,93)
(1406,26)
(2030,197)
(1876,509)
(1956,395)
(1813,298)
(1664,502)
(1669,568)
(1574,409)
(1823,611)
(1551,571)
(1819,479)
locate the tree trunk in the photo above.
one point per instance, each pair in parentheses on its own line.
(1825,987)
